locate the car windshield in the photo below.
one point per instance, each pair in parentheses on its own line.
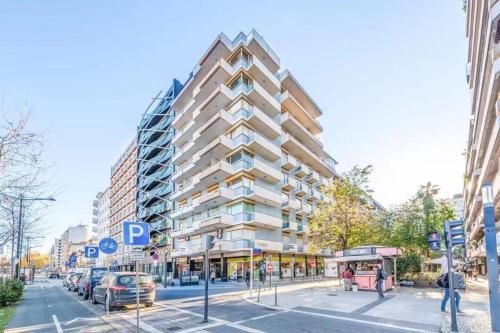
(129,280)
(98,273)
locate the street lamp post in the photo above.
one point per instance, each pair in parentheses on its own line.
(491,255)
(19,247)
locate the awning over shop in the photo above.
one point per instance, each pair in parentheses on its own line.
(358,258)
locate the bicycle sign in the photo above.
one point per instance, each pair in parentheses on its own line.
(108,245)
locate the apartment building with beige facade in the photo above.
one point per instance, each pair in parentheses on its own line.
(482,155)
(122,203)
(248,163)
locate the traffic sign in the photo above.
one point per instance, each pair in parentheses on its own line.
(156,256)
(91,252)
(135,233)
(137,256)
(256,251)
(434,241)
(270,267)
(108,245)
(73,258)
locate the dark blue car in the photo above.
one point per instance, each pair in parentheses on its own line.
(90,280)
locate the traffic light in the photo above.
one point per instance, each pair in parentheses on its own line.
(434,241)
(454,233)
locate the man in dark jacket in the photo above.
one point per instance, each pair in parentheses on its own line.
(379,280)
(446,297)
(247,277)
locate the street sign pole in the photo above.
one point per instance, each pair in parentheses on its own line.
(251,271)
(165,270)
(205,312)
(451,289)
(137,293)
(491,255)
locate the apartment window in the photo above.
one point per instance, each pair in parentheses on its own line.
(241,130)
(241,53)
(242,185)
(284,197)
(240,155)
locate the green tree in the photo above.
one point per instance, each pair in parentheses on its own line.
(348,219)
(408,224)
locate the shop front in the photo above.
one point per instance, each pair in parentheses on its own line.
(364,262)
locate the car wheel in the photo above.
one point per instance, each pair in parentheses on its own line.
(149,304)
(93,299)
(85,295)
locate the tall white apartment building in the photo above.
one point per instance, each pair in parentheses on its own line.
(101,217)
(483,148)
(248,163)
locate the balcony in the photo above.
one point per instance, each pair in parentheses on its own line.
(288,204)
(260,219)
(257,118)
(186,210)
(211,128)
(319,160)
(215,198)
(300,113)
(259,97)
(292,125)
(288,183)
(288,162)
(301,189)
(313,177)
(302,229)
(160,224)
(259,145)
(289,225)
(258,194)
(301,170)
(184,135)
(259,168)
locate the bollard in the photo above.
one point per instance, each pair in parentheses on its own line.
(258,293)
(275,295)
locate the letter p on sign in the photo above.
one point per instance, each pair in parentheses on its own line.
(135,233)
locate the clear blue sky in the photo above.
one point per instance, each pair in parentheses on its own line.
(389,75)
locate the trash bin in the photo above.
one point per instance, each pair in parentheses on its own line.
(354,286)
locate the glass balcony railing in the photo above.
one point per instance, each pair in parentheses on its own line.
(242,190)
(242,88)
(245,63)
(244,217)
(245,163)
(156,176)
(242,113)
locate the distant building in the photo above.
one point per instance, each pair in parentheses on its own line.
(55,254)
(122,203)
(73,241)
(101,216)
(458,203)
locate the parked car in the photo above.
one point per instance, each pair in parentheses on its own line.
(74,281)
(90,280)
(53,275)
(66,280)
(122,289)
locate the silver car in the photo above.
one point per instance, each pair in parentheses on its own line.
(122,289)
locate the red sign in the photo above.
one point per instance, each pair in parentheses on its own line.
(312,263)
(269,267)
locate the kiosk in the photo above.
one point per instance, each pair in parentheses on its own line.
(364,261)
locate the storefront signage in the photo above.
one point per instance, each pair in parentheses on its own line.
(359,252)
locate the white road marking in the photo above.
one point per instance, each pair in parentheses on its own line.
(200,328)
(403,328)
(217,320)
(56,322)
(142,324)
(71,321)
(260,317)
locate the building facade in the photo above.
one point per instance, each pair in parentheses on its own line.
(482,155)
(457,201)
(55,255)
(154,170)
(101,215)
(122,204)
(73,242)
(248,164)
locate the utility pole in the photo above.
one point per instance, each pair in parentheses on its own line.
(165,269)
(19,237)
(491,255)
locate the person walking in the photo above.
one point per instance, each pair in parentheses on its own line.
(212,276)
(469,273)
(347,276)
(445,284)
(247,277)
(474,273)
(379,280)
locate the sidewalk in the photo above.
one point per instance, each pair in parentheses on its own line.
(217,285)
(409,306)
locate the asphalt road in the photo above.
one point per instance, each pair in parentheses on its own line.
(47,307)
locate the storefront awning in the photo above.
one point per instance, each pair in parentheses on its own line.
(358,258)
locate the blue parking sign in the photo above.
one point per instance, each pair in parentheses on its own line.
(91,252)
(135,233)
(73,258)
